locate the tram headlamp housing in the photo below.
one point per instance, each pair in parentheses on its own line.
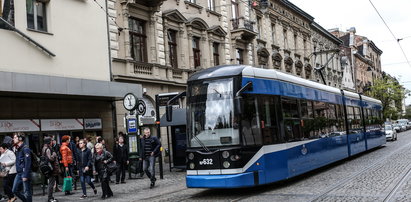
(192,165)
(235,157)
(225,154)
(191,156)
(226,164)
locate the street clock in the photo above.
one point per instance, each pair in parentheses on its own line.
(130,102)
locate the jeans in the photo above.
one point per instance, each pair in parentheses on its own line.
(121,170)
(19,184)
(50,187)
(83,179)
(8,182)
(148,167)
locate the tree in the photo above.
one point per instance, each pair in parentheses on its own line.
(391,93)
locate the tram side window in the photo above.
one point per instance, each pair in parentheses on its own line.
(307,122)
(250,122)
(268,117)
(340,118)
(332,124)
(350,117)
(292,127)
(321,119)
(357,119)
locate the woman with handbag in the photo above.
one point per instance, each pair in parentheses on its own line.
(8,161)
(67,160)
(102,159)
(84,165)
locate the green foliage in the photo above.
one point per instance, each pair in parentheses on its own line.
(391,93)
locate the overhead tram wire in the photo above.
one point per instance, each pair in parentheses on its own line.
(396,39)
(111,18)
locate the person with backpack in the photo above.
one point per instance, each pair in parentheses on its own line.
(8,161)
(56,148)
(67,158)
(84,165)
(22,182)
(49,166)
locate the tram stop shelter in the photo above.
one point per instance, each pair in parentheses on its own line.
(177,128)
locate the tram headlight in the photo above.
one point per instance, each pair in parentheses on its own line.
(226,154)
(191,156)
(235,157)
(226,164)
(192,165)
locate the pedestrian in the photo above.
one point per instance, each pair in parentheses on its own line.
(101,159)
(52,157)
(84,165)
(90,145)
(121,158)
(150,149)
(22,181)
(67,158)
(56,148)
(8,161)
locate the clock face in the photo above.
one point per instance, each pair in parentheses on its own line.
(130,102)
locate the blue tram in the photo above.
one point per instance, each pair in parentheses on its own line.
(250,126)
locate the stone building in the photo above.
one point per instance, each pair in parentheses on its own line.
(55,71)
(364,55)
(159,43)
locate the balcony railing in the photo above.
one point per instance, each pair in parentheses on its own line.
(143,68)
(240,23)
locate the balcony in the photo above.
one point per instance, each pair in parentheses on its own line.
(243,28)
(129,70)
(148,3)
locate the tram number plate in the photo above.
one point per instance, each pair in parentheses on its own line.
(206,162)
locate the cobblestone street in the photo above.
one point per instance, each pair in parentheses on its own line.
(379,175)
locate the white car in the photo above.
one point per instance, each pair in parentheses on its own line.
(390,133)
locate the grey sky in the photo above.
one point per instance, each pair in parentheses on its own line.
(361,15)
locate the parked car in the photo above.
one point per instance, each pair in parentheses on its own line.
(390,133)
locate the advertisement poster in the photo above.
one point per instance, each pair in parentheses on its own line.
(132,139)
(6,12)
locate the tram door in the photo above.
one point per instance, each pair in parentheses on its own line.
(179,139)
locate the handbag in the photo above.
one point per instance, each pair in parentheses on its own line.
(4,173)
(112,167)
(67,183)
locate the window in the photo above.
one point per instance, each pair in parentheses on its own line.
(250,122)
(196,51)
(290,108)
(285,39)
(36,15)
(234,9)
(268,106)
(216,55)
(137,40)
(211,5)
(292,121)
(295,43)
(259,27)
(172,46)
(239,56)
(273,33)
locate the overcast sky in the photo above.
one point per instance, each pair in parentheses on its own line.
(361,15)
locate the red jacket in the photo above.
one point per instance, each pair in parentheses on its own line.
(66,154)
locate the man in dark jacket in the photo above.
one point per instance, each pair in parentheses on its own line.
(51,155)
(23,167)
(85,165)
(150,149)
(121,158)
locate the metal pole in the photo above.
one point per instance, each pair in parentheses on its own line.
(160,158)
(168,146)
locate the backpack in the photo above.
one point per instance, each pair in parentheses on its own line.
(34,160)
(45,165)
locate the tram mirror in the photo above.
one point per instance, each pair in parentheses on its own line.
(239,105)
(169,113)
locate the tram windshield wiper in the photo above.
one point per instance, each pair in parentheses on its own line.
(217,91)
(201,143)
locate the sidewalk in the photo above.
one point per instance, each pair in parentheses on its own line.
(132,190)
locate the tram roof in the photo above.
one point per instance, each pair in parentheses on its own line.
(249,71)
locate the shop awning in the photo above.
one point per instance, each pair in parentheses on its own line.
(179,118)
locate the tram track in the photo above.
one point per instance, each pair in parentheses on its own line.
(375,165)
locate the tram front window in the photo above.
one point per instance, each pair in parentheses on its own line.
(211,116)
